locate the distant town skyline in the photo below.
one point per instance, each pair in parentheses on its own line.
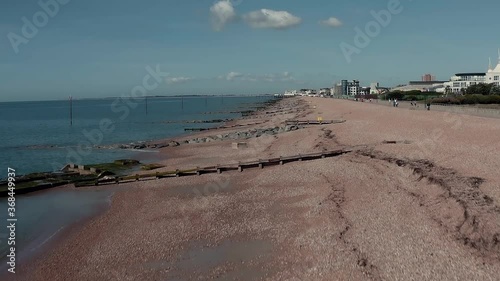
(53,49)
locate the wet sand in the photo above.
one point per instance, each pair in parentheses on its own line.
(417,199)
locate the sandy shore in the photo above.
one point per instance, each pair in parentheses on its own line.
(417,199)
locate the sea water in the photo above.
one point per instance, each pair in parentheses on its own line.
(39,137)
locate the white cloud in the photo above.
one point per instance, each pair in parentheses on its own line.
(281,77)
(174,80)
(332,22)
(233,75)
(221,13)
(271,19)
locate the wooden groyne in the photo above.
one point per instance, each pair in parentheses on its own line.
(313,122)
(198,121)
(222,127)
(288,122)
(218,169)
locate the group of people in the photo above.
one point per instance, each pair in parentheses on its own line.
(394,102)
(413,104)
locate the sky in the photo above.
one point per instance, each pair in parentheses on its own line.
(102,48)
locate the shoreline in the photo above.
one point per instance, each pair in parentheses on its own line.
(306,211)
(139,149)
(35,249)
(76,226)
(72,228)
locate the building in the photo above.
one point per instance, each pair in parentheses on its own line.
(427,84)
(493,74)
(343,85)
(291,93)
(375,89)
(461,81)
(363,91)
(353,88)
(350,88)
(422,86)
(337,90)
(307,92)
(325,91)
(428,78)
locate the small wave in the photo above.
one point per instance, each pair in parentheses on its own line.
(47,240)
(142,150)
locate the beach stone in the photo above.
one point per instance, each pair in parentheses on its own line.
(290,128)
(239,145)
(173,143)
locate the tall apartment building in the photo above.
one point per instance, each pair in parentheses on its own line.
(428,78)
(353,88)
(337,90)
(343,85)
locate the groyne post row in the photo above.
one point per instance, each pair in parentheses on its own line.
(223,127)
(219,169)
(313,122)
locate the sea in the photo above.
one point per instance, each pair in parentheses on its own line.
(43,136)
(39,137)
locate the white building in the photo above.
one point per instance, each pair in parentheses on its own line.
(325,91)
(291,93)
(374,88)
(493,75)
(422,86)
(461,81)
(353,88)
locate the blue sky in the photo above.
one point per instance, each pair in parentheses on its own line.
(97,48)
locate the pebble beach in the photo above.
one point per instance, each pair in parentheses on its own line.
(416,198)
